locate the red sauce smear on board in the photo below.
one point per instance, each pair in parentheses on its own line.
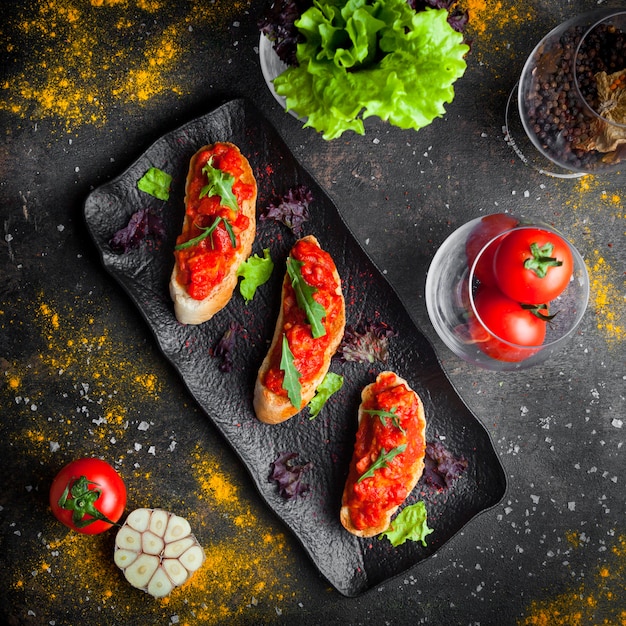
(369,499)
(318,270)
(203,266)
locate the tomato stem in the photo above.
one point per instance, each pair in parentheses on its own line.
(541,259)
(81,502)
(536,310)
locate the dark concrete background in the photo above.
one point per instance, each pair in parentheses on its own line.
(82,374)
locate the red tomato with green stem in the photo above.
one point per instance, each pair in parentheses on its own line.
(88,496)
(505,329)
(533,265)
(489,227)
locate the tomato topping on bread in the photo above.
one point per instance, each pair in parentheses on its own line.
(388,457)
(217,233)
(308,332)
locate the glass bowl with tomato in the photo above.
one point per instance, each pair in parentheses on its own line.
(506,293)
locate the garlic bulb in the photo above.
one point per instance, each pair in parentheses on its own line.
(157,551)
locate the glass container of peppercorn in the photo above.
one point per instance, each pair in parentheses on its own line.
(571,98)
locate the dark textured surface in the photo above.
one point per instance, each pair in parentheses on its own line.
(351,564)
(82,373)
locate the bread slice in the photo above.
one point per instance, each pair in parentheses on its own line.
(271,407)
(189,310)
(413,457)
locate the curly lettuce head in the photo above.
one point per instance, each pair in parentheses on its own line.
(363,58)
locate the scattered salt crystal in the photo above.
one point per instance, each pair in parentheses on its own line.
(617,423)
(138,447)
(143,426)
(571,506)
(534,498)
(151,450)
(172,446)
(54,446)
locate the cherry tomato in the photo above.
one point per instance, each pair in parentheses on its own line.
(509,331)
(489,227)
(533,265)
(88,496)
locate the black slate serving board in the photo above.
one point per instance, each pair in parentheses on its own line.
(352,565)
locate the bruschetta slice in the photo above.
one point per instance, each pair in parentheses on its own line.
(309,329)
(388,457)
(217,233)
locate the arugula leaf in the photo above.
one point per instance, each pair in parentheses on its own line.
(220,184)
(411,524)
(207,232)
(256,271)
(383,458)
(315,312)
(378,58)
(384,415)
(155,182)
(291,380)
(332,383)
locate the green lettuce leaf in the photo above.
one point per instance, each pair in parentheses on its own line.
(363,58)
(410,524)
(256,271)
(155,182)
(330,384)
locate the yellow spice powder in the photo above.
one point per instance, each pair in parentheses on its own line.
(102,62)
(488,16)
(598,600)
(589,202)
(248,561)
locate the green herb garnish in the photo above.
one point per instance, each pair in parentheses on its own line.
(220,184)
(315,312)
(385,415)
(332,382)
(383,459)
(256,271)
(207,232)
(291,380)
(155,182)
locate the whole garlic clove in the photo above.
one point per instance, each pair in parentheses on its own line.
(157,551)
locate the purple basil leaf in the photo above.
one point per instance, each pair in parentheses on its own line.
(143,227)
(441,467)
(277,24)
(225,347)
(292,209)
(366,342)
(286,472)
